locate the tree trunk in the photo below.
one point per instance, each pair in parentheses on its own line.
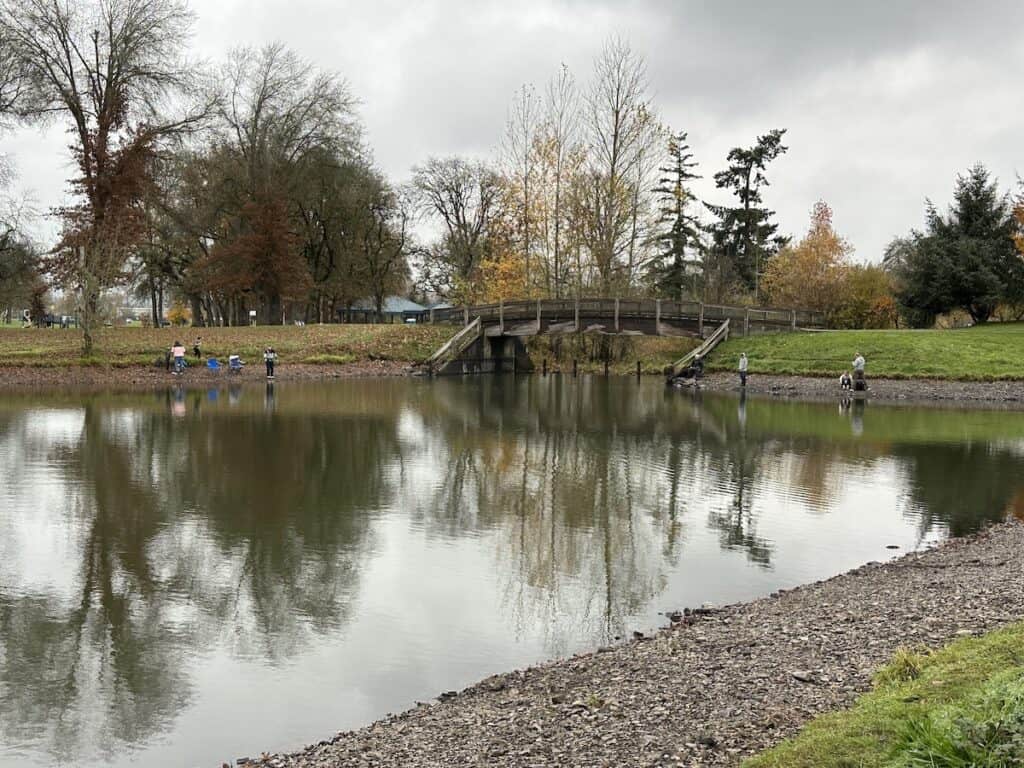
(197,310)
(90,306)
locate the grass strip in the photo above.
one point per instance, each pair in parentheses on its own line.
(958,707)
(993,352)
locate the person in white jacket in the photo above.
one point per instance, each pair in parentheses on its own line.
(743,369)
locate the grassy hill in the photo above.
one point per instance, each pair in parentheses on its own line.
(121,347)
(984,353)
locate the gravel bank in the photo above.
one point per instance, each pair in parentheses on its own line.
(1007,393)
(714,687)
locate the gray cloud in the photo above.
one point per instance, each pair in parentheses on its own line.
(884,101)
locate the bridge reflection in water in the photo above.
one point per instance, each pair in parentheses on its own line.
(188,576)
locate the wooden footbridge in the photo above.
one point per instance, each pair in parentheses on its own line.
(491,336)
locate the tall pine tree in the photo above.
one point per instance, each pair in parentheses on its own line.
(745,237)
(677,265)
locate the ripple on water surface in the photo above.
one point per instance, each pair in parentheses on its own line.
(186,577)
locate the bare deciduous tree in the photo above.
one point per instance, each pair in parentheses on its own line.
(463,195)
(112,69)
(279,111)
(619,119)
(560,138)
(519,158)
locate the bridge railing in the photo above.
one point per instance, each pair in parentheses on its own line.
(743,320)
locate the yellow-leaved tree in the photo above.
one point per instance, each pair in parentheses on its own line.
(811,274)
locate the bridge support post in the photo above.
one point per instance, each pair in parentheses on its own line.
(616,314)
(501,316)
(539,329)
(431,315)
(465,315)
(700,320)
(577,314)
(746,322)
(657,317)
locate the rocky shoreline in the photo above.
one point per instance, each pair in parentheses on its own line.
(715,686)
(130,377)
(1005,394)
(917,391)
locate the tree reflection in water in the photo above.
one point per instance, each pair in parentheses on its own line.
(245,519)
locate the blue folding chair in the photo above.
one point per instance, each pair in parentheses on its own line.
(213,365)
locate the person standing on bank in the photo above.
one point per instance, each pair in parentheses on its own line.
(858,373)
(270,357)
(197,347)
(178,353)
(743,369)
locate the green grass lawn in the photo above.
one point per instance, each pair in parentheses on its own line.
(959,707)
(122,347)
(984,353)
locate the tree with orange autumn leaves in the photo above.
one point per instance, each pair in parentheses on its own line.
(817,273)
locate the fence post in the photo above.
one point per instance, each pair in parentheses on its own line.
(793,318)
(431,315)
(538,315)
(746,322)
(700,319)
(501,316)
(616,314)
(577,314)
(465,315)
(657,317)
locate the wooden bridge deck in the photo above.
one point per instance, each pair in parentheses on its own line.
(651,317)
(625,317)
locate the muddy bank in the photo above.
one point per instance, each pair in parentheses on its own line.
(21,377)
(902,390)
(714,687)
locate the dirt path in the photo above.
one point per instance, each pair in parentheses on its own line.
(714,687)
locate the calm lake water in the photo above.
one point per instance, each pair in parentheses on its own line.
(187,577)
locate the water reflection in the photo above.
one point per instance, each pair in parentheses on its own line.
(144,539)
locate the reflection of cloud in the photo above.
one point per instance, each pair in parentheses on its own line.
(373,525)
(181,536)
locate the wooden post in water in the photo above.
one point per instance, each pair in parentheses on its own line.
(539,310)
(574,367)
(606,366)
(638,370)
(545,367)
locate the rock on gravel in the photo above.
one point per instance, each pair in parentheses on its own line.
(716,686)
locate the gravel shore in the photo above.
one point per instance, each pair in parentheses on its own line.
(20,377)
(1006,393)
(714,687)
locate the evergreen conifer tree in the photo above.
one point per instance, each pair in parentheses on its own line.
(676,267)
(745,237)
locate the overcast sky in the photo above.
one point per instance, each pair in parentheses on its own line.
(884,101)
